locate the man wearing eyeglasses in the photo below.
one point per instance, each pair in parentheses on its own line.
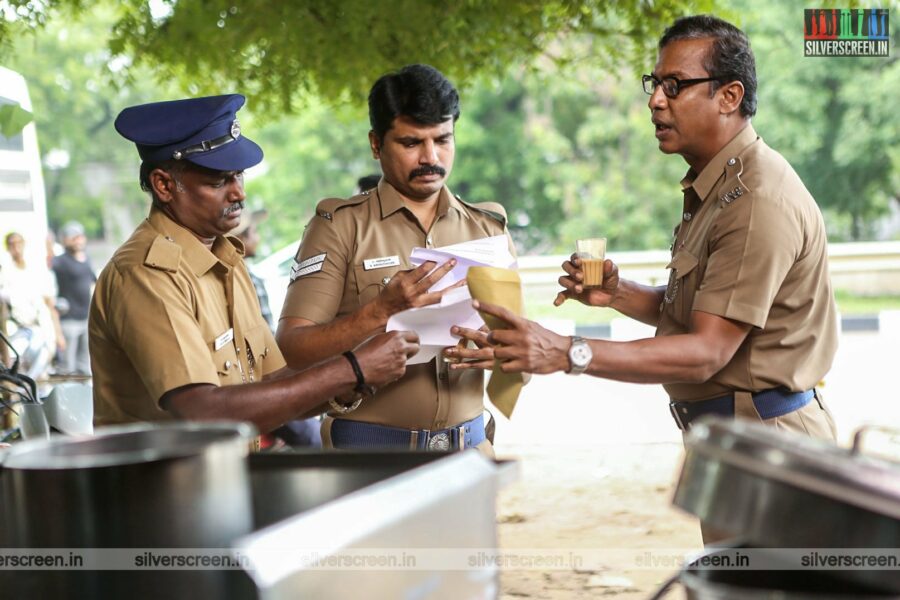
(747,325)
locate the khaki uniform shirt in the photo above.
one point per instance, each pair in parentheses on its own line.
(751,247)
(350,249)
(167,313)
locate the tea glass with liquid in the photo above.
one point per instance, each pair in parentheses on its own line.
(592,252)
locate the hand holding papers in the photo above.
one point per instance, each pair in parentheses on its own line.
(433,322)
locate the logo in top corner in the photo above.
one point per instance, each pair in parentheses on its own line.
(846,32)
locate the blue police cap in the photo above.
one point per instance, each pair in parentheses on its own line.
(203,131)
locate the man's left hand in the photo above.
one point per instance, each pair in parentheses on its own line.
(525,346)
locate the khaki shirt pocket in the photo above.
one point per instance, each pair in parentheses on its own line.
(258,342)
(370,283)
(225,361)
(682,286)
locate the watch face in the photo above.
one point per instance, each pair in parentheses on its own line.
(581,355)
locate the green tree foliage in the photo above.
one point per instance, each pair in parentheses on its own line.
(834,119)
(279,52)
(561,136)
(318,153)
(74,84)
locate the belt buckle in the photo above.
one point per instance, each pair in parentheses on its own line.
(439,442)
(673,409)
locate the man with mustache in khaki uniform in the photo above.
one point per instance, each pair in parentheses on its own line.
(352,272)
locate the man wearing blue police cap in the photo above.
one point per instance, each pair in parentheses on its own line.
(175,326)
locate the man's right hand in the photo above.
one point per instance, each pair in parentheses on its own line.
(572,281)
(409,289)
(383,357)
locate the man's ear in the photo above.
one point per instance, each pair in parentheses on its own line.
(731,94)
(163,185)
(374,144)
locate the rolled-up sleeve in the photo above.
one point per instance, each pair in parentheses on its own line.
(319,273)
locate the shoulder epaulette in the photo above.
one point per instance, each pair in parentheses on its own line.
(494,210)
(164,254)
(327,207)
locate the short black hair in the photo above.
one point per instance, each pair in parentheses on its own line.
(419,92)
(729,58)
(173,167)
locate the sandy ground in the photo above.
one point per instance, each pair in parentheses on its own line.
(598,462)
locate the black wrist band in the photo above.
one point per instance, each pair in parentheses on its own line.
(360,379)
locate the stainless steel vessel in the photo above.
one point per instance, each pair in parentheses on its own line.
(773,489)
(176,485)
(189,485)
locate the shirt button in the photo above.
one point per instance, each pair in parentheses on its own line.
(385,281)
(687,216)
(731,162)
(428,241)
(227,364)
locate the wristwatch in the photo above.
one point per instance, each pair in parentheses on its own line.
(580,355)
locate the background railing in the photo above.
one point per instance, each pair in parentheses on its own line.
(864,268)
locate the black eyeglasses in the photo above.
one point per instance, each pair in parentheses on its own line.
(671,86)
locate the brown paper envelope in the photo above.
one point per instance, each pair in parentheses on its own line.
(504,288)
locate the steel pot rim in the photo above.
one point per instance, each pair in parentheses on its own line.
(41,454)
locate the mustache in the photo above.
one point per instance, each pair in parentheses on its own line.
(232,208)
(428,170)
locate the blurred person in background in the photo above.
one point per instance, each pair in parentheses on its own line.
(30,292)
(248,233)
(75,279)
(367,182)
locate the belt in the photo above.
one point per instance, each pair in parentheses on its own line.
(357,434)
(772,403)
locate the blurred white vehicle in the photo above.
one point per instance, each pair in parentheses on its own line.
(23,206)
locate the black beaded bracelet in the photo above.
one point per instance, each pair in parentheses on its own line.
(361,386)
(362,389)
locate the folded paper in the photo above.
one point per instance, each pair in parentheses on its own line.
(504,288)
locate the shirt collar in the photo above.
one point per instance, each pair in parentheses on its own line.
(704,182)
(391,200)
(225,250)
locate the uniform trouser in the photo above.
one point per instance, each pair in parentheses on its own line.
(76,357)
(813,420)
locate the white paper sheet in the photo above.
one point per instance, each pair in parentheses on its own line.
(484,252)
(433,323)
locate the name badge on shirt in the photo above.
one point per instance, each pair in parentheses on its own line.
(224,339)
(379,263)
